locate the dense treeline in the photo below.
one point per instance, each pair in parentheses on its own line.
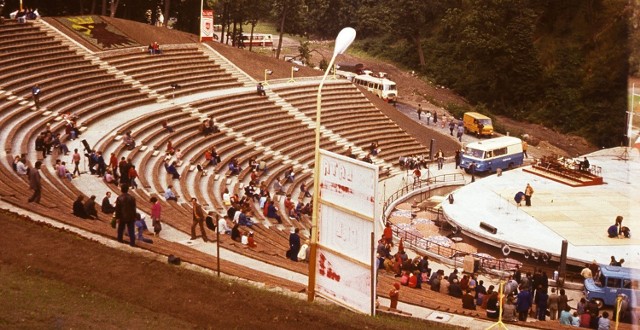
(560,63)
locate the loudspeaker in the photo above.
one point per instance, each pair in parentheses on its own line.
(87,147)
(488,227)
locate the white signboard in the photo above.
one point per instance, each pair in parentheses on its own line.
(347,210)
(344,281)
(345,233)
(349,183)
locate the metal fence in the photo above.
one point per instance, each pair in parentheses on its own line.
(424,189)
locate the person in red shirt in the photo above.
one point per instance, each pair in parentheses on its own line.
(252,243)
(416,175)
(290,208)
(170,150)
(413,280)
(394,294)
(585,319)
(133,174)
(113,163)
(388,234)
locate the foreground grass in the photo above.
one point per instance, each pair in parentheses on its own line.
(30,300)
(55,279)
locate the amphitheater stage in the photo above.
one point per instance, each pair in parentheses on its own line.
(580,215)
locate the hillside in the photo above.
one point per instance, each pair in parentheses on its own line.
(559,64)
(413,89)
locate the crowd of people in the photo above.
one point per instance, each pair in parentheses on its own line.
(525,295)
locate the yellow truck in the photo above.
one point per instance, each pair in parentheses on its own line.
(477,123)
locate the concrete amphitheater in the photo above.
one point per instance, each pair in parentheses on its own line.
(113,85)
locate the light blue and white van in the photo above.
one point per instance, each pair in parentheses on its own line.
(614,281)
(503,152)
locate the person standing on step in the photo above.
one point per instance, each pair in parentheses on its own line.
(35,183)
(294,245)
(198,219)
(394,294)
(75,158)
(35,92)
(440,158)
(125,213)
(156,210)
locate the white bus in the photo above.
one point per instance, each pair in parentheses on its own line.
(382,87)
(503,152)
(261,40)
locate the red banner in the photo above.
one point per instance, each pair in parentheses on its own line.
(206,25)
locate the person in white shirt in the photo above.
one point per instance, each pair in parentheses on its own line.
(169,195)
(226,197)
(303,254)
(21,168)
(223,226)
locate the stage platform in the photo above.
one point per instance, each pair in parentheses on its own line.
(581,215)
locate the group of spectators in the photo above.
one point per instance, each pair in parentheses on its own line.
(413,161)
(122,173)
(32,175)
(115,172)
(208,126)
(297,252)
(525,295)
(24,14)
(154,48)
(373,150)
(47,142)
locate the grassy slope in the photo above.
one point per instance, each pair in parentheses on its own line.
(55,279)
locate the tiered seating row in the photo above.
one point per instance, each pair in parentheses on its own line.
(188,68)
(349,114)
(68,81)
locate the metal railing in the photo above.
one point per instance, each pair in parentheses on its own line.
(424,188)
(405,191)
(421,244)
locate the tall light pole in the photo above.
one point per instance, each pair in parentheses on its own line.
(343,41)
(200,29)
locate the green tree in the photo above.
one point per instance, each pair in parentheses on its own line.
(291,15)
(256,10)
(327,17)
(409,18)
(372,18)
(491,44)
